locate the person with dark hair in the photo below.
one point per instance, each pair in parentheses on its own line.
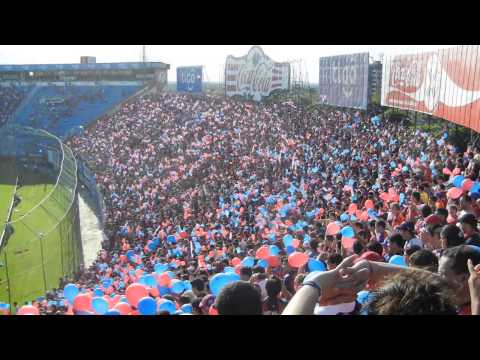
(245,273)
(239,298)
(333,261)
(196,306)
(408,233)
(443,215)
(468,224)
(413,293)
(274,304)
(313,252)
(380,231)
(376,247)
(396,244)
(358,247)
(451,236)
(198,287)
(453,266)
(423,259)
(257,269)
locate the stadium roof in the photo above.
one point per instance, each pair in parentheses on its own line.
(98,66)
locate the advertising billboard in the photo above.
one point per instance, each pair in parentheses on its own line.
(189,79)
(255,74)
(443,83)
(343,80)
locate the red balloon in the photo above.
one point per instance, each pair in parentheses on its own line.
(467,184)
(236,261)
(116,299)
(123,308)
(82,302)
(454,193)
(369,204)
(28,310)
(183,234)
(333,228)
(154,292)
(263,252)
(273,261)
(122,258)
(164,280)
(135,292)
(347,243)
(352,208)
(297,259)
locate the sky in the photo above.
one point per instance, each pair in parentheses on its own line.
(212,57)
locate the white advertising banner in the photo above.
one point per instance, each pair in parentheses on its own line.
(255,75)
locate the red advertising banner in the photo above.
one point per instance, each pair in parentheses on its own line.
(443,83)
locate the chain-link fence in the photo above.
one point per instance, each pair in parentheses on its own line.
(42,244)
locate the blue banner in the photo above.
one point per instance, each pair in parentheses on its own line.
(189,79)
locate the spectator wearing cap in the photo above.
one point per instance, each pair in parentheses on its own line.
(468,224)
(407,232)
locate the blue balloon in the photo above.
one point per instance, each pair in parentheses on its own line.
(113,312)
(475,187)
(218,282)
(274,250)
(187,284)
(99,305)
(288,240)
(187,308)
(457,181)
(248,261)
(344,217)
(178,287)
(363,297)
(233,277)
(169,306)
(150,280)
(474,247)
(160,268)
(316,265)
(70,291)
(163,290)
(97,292)
(229,269)
(147,306)
(397,260)
(263,263)
(348,232)
(171,239)
(290,249)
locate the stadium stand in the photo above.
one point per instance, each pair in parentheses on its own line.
(61,109)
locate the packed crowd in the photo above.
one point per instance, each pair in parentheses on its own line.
(217,206)
(10,98)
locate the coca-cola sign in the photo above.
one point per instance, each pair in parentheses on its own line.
(255,75)
(444,83)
